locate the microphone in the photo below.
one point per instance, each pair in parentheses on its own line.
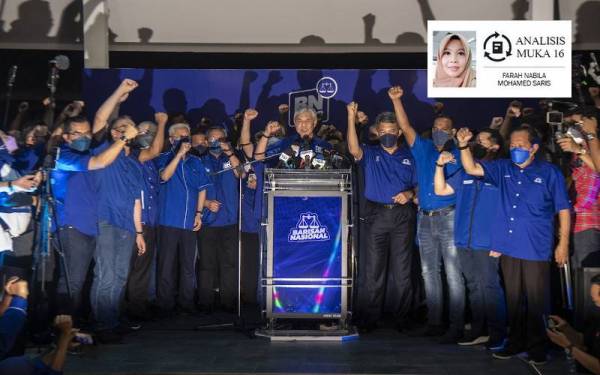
(286,159)
(307,154)
(319,162)
(12,75)
(61,62)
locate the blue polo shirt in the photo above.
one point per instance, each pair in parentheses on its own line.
(150,192)
(29,158)
(476,200)
(224,188)
(523,226)
(426,154)
(387,174)
(250,222)
(74,190)
(117,187)
(178,197)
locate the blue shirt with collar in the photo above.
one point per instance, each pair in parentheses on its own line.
(426,154)
(224,188)
(387,174)
(178,197)
(150,192)
(117,187)
(523,226)
(74,190)
(476,200)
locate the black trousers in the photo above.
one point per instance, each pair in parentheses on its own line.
(250,260)
(391,238)
(78,249)
(139,274)
(218,266)
(176,252)
(527,289)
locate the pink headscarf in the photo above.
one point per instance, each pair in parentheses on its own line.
(466,78)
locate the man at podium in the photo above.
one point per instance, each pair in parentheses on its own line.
(297,149)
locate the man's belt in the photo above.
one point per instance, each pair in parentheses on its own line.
(387,206)
(438,212)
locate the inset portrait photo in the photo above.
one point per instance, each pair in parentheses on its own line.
(454,58)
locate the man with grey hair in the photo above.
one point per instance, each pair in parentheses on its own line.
(181,200)
(305,122)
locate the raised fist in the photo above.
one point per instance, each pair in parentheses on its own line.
(283,108)
(352,109)
(395,92)
(445,158)
(271,128)
(127,86)
(250,114)
(161,117)
(464,135)
(130,131)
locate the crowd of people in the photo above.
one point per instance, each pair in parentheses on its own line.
(149,212)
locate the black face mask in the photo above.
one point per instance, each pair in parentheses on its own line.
(482,153)
(479,152)
(198,150)
(144,141)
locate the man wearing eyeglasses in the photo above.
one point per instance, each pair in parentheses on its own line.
(76,215)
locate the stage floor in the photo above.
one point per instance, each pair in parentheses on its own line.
(174,347)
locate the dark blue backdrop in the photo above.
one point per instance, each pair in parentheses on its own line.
(218,94)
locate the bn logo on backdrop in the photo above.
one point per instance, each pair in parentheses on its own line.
(317,99)
(308,229)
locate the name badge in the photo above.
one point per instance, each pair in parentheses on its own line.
(467,182)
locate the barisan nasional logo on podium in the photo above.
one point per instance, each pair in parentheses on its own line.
(308,229)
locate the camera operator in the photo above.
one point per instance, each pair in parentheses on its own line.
(583,347)
(181,199)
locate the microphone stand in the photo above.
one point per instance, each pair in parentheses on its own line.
(12,74)
(53,77)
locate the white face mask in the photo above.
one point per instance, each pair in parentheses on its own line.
(10,143)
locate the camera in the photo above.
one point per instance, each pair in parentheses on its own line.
(554,117)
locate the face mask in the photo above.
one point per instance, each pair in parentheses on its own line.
(11,144)
(177,143)
(519,155)
(215,147)
(200,149)
(388,140)
(439,137)
(479,152)
(81,144)
(144,140)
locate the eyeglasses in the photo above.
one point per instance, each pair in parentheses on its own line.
(80,134)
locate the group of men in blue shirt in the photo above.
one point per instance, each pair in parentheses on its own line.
(115,190)
(473,215)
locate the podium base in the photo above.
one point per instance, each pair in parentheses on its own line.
(339,335)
